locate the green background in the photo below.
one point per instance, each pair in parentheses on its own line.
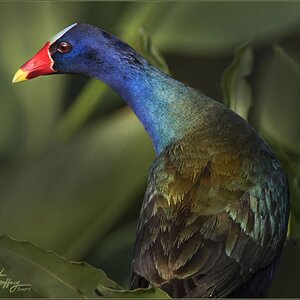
(74,160)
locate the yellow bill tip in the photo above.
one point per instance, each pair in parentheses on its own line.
(20,76)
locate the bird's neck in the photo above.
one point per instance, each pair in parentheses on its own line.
(165,106)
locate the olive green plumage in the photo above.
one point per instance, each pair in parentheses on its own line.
(215,211)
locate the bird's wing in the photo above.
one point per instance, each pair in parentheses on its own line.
(212,216)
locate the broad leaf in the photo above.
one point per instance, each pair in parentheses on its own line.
(278,100)
(237,92)
(47,274)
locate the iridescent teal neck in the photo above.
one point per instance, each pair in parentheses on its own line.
(165,106)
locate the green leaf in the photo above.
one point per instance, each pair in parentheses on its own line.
(278,99)
(150,51)
(48,274)
(237,92)
(150,292)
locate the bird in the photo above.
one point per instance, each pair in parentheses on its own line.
(214,217)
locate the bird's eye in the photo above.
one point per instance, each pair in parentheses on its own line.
(64,47)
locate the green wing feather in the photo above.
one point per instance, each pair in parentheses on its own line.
(214,213)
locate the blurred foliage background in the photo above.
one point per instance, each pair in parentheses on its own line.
(74,160)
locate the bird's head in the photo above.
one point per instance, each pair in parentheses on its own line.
(78,49)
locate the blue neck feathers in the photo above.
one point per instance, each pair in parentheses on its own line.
(163,105)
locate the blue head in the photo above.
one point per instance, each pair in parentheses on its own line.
(82,49)
(87,50)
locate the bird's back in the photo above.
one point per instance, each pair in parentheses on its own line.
(215,212)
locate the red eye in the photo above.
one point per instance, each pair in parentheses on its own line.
(64,47)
